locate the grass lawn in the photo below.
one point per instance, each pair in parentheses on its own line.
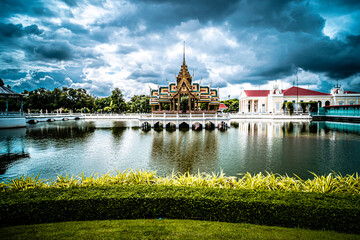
(162,229)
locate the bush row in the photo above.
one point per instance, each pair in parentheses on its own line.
(339,212)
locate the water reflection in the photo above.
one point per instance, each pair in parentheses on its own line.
(248,146)
(12,147)
(61,130)
(299,147)
(184,151)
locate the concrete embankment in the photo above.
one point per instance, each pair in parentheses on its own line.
(271,116)
(112,116)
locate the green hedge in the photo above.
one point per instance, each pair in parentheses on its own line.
(340,212)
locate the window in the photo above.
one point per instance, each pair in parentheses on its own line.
(341,103)
(277,106)
(351,102)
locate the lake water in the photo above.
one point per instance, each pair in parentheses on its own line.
(100,146)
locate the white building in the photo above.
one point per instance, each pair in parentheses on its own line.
(271,101)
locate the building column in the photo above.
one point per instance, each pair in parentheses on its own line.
(7,106)
(178,107)
(252,105)
(189,104)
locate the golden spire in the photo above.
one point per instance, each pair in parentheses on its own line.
(184,54)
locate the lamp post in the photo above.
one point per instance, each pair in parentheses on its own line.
(297,92)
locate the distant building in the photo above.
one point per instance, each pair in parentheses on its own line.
(222,107)
(271,101)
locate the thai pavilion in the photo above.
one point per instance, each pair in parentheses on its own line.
(184,89)
(11,119)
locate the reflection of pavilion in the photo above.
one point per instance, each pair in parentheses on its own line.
(11,119)
(184,96)
(12,147)
(185,151)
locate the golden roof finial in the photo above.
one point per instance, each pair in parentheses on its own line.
(184,54)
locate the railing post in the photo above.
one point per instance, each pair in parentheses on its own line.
(190,125)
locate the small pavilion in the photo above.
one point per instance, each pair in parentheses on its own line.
(184,91)
(8,93)
(11,119)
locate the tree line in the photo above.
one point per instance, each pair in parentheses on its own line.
(78,100)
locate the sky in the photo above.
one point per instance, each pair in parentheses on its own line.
(133,45)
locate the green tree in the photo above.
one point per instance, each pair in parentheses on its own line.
(290,107)
(139,103)
(117,103)
(203,106)
(231,104)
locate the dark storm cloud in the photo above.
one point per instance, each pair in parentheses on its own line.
(144,75)
(316,54)
(75,28)
(10,30)
(157,14)
(71,3)
(12,73)
(293,16)
(270,40)
(30,8)
(57,51)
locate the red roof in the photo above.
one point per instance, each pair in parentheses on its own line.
(222,106)
(350,92)
(294,91)
(257,93)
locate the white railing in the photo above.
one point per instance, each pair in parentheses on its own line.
(188,116)
(111,114)
(7,113)
(51,114)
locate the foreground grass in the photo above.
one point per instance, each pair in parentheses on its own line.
(332,183)
(162,229)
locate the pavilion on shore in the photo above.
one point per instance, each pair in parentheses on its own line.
(184,95)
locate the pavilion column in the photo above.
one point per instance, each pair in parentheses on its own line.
(208,107)
(22,107)
(7,106)
(189,104)
(178,103)
(170,105)
(159,106)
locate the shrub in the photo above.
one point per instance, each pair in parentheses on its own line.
(340,212)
